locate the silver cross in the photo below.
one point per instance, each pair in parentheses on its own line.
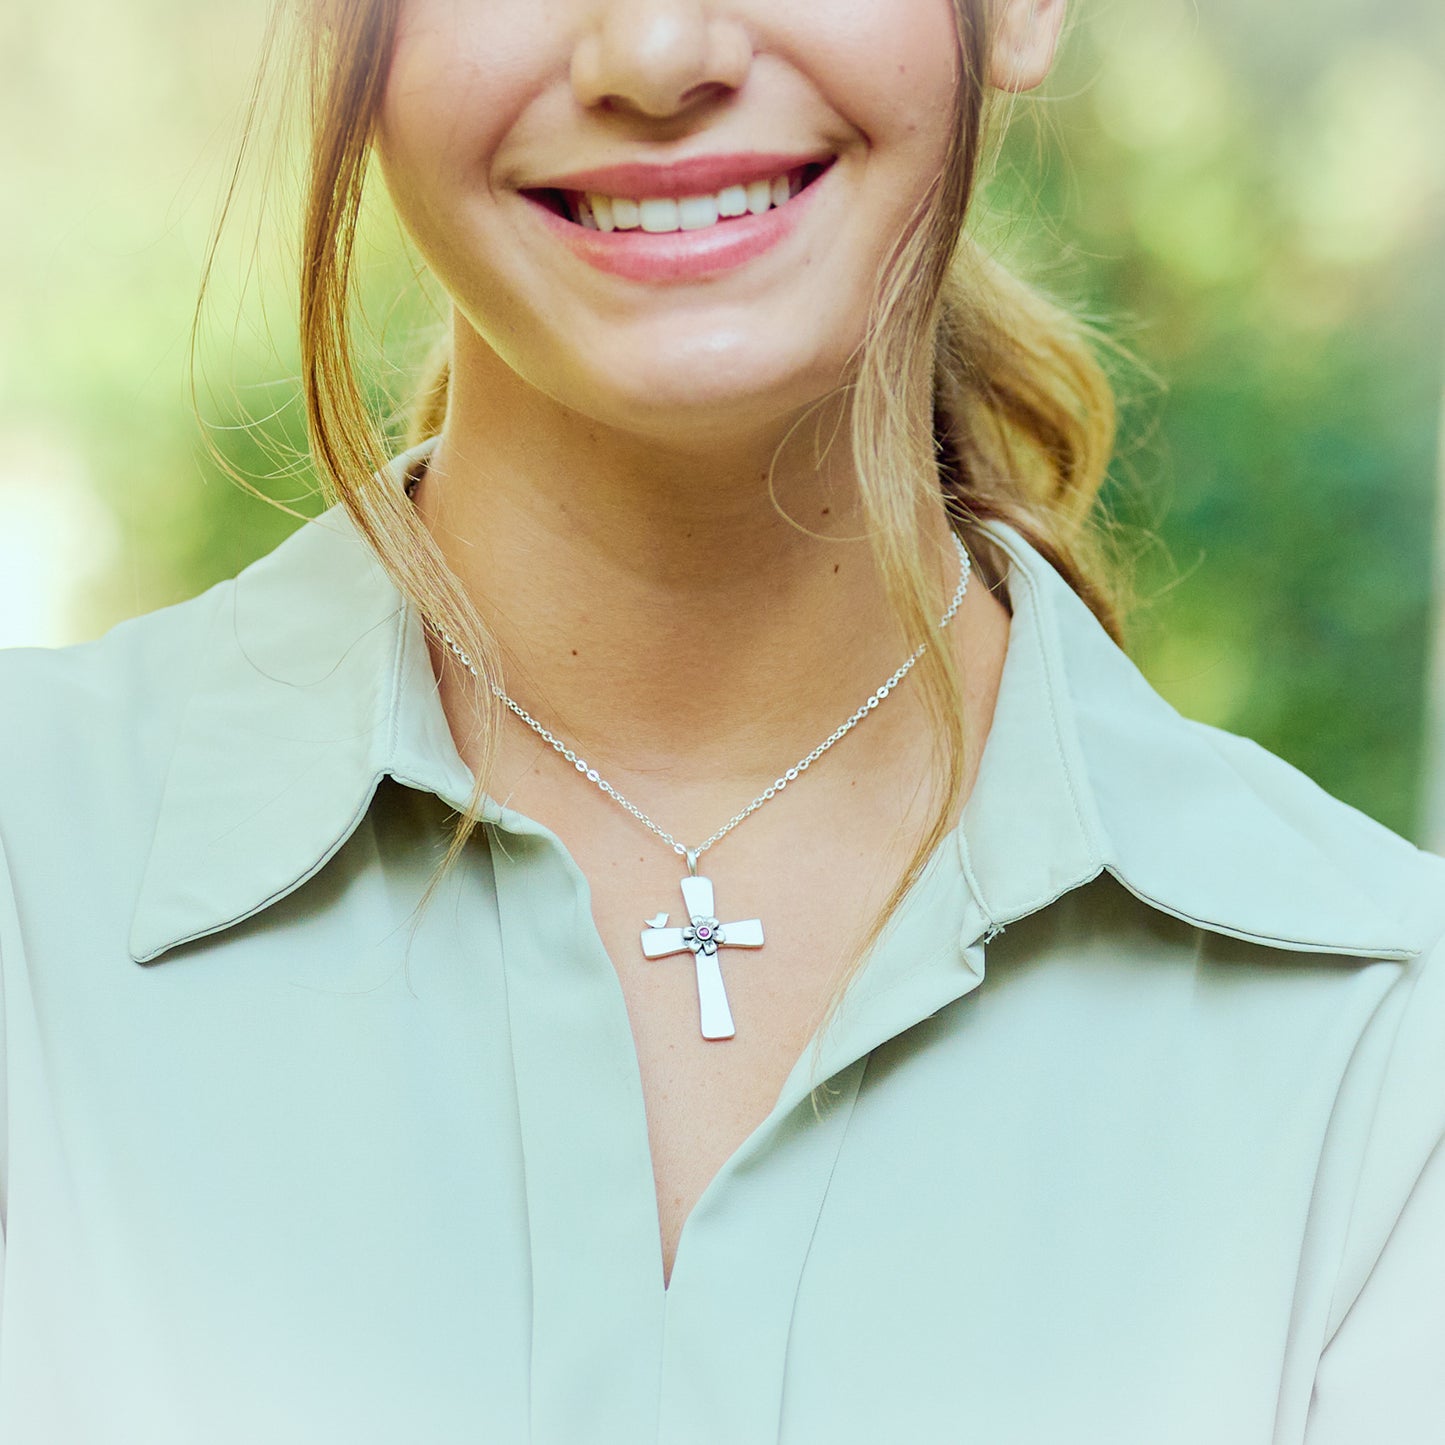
(702,937)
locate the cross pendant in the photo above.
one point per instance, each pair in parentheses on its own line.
(702,938)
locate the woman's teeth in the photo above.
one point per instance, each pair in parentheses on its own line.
(659,214)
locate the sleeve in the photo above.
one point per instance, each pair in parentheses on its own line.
(9,952)
(1381,1379)
(1381,1375)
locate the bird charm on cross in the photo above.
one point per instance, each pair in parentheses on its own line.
(702,937)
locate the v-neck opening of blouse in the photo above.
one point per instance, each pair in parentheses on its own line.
(588,1162)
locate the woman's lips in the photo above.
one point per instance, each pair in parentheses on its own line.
(697,175)
(678,255)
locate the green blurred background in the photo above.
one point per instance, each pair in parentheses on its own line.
(1249,196)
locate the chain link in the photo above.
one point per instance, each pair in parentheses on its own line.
(776,786)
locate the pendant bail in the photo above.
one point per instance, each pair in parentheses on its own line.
(691,854)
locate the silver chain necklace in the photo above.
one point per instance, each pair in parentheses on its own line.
(703,934)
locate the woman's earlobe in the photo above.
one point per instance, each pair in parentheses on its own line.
(1026,35)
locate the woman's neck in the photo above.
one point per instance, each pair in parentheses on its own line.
(688,608)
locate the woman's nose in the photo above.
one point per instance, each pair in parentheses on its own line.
(659,57)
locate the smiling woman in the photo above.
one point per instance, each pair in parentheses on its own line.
(665,915)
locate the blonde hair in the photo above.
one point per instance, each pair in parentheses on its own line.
(972,392)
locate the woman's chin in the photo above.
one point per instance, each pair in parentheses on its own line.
(665,399)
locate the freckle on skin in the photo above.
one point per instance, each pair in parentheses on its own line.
(835,569)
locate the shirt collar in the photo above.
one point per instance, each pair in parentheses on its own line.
(1087,769)
(317,684)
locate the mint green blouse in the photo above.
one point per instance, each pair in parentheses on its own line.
(1131,1134)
